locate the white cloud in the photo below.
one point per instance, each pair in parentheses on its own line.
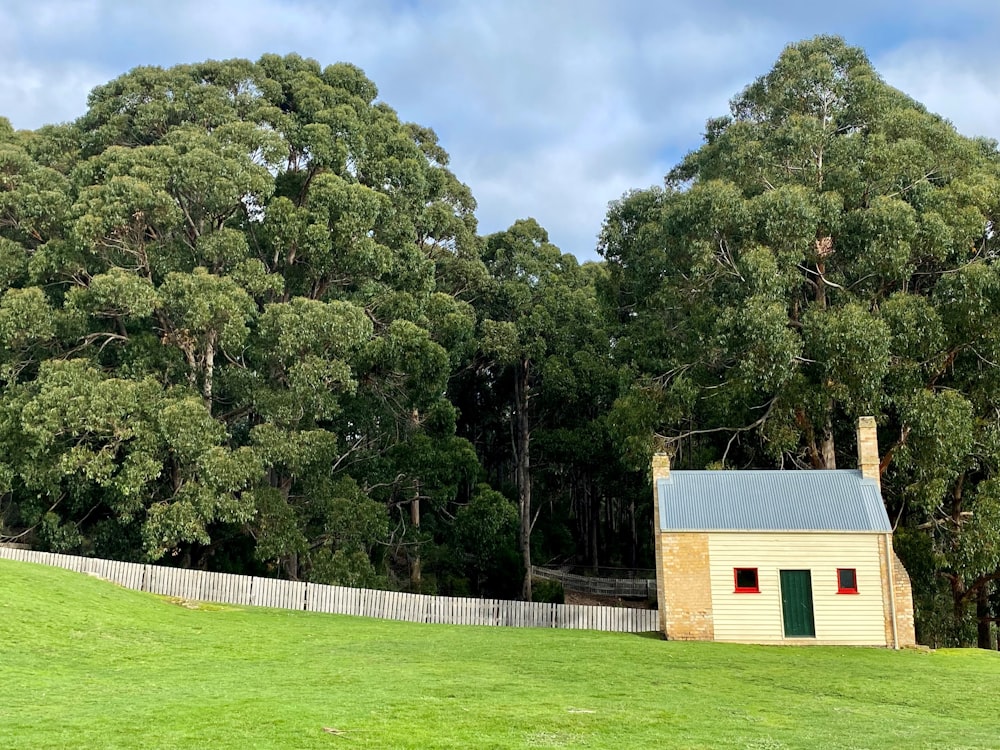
(548,109)
(63,20)
(32,95)
(949,81)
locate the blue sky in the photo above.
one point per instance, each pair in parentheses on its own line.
(549,108)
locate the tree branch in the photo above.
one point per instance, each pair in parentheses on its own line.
(669,440)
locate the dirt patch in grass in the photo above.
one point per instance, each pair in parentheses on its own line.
(575,597)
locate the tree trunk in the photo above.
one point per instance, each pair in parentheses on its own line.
(415,520)
(594,508)
(827,454)
(984,621)
(292,566)
(523,469)
(827,447)
(634,556)
(958,602)
(206,389)
(959,591)
(820,283)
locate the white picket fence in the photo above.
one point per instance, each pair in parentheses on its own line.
(226,588)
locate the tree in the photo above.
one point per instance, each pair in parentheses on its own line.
(263,255)
(96,454)
(827,253)
(536,315)
(590,496)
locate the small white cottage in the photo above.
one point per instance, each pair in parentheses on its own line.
(795,557)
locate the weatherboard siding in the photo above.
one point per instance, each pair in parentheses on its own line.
(847,619)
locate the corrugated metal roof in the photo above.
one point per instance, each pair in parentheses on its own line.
(818,500)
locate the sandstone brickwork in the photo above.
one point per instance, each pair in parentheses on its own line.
(687,587)
(868,460)
(883,558)
(661,470)
(900,596)
(903,597)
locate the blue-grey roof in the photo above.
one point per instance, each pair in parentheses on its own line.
(818,500)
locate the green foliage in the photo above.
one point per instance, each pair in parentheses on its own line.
(550,592)
(225,291)
(486,540)
(27,324)
(827,253)
(116,294)
(204,309)
(90,448)
(246,321)
(353,524)
(345,568)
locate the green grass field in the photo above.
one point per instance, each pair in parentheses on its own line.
(86,664)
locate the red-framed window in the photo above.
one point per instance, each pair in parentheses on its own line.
(746,580)
(847,581)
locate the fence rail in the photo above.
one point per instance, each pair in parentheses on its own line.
(627,587)
(227,588)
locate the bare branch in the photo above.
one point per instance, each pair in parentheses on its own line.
(671,439)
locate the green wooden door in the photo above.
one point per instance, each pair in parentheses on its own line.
(797,603)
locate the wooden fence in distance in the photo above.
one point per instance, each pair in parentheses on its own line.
(226,588)
(637,588)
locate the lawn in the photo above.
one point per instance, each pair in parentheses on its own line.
(86,664)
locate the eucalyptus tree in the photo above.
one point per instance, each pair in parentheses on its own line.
(828,252)
(595,506)
(266,248)
(538,330)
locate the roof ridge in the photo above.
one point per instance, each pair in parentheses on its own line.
(765,471)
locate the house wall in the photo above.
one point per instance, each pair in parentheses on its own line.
(695,587)
(848,619)
(903,599)
(661,598)
(896,594)
(661,470)
(686,601)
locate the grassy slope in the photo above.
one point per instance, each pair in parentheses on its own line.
(85,664)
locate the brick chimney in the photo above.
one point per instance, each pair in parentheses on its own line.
(661,467)
(661,470)
(868,460)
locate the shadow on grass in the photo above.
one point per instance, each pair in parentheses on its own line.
(655,635)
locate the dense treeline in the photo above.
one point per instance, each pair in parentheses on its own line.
(248,324)
(829,252)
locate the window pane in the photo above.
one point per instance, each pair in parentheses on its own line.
(847,579)
(746,578)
